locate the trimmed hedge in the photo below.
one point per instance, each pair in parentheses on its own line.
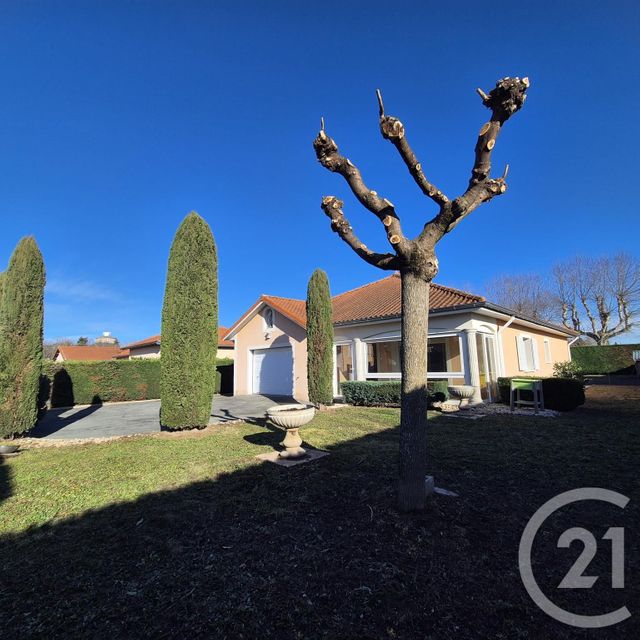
(613,358)
(64,384)
(560,394)
(374,393)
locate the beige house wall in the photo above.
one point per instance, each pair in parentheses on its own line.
(559,347)
(227,352)
(140,353)
(253,336)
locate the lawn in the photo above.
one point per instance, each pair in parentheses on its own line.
(172,536)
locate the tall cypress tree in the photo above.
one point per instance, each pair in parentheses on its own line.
(319,339)
(189,327)
(21,324)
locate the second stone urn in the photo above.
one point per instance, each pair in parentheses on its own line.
(291,417)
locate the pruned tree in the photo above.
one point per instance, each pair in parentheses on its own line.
(599,297)
(526,293)
(189,327)
(82,341)
(319,339)
(21,324)
(415,258)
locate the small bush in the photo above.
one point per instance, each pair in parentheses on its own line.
(372,393)
(568,370)
(560,394)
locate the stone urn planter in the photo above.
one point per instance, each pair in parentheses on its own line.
(291,417)
(464,392)
(7,449)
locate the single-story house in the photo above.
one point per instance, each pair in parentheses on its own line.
(150,347)
(86,352)
(471,341)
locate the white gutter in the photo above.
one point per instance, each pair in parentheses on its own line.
(500,346)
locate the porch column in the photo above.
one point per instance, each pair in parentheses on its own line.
(472,374)
(360,357)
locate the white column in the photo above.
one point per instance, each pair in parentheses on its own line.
(472,372)
(360,357)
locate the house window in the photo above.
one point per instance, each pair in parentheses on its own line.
(268,319)
(444,358)
(547,351)
(383,357)
(527,353)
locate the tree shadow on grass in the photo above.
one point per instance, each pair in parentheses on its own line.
(312,551)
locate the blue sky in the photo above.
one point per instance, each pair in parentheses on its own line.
(118,118)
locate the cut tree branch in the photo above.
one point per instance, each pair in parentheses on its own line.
(393,130)
(329,157)
(333,209)
(504,100)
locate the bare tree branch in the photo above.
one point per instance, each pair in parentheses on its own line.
(393,130)
(333,209)
(329,157)
(504,100)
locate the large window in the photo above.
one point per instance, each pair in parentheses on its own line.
(444,358)
(527,353)
(383,357)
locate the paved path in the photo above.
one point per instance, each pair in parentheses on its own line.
(130,418)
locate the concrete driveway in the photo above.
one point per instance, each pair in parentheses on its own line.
(130,418)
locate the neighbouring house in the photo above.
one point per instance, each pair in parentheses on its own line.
(471,341)
(150,347)
(86,352)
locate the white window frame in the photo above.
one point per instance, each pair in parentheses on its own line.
(527,345)
(547,351)
(440,375)
(268,312)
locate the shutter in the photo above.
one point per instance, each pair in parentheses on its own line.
(522,356)
(536,358)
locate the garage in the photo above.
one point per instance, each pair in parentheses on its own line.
(273,371)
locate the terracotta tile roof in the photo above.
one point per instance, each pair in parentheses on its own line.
(295,310)
(376,300)
(124,353)
(381,299)
(222,332)
(88,352)
(145,342)
(152,340)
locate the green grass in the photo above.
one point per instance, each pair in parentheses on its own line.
(189,536)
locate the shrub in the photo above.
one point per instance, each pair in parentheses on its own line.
(569,370)
(370,393)
(560,394)
(319,340)
(21,321)
(189,327)
(614,358)
(101,381)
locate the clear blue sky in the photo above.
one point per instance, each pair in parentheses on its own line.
(118,118)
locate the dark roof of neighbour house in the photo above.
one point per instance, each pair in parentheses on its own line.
(155,340)
(380,300)
(88,352)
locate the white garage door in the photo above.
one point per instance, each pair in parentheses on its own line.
(273,371)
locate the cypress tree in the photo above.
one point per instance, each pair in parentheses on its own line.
(21,325)
(319,340)
(189,327)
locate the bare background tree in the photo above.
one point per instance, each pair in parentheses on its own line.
(416,259)
(51,346)
(599,297)
(526,293)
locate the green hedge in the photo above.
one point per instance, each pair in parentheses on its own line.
(64,384)
(372,393)
(614,358)
(560,394)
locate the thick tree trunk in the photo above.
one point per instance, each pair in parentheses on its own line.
(413,417)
